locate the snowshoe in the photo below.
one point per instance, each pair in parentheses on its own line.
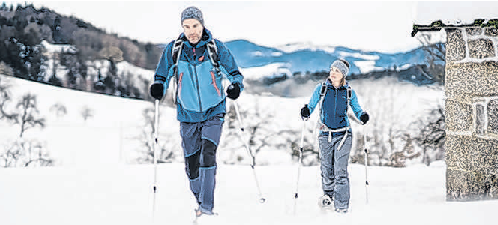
(325,202)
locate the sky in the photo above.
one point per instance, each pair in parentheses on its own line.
(371,25)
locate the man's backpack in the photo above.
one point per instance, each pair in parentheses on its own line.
(176,53)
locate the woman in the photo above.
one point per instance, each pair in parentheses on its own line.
(335,138)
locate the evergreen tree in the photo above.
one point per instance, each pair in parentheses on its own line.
(109,84)
(82,71)
(99,84)
(54,80)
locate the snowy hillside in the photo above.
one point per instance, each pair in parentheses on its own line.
(111,134)
(117,126)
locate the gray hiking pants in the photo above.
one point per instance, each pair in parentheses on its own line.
(200,141)
(334,167)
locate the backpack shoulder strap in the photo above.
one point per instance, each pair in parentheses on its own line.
(323,90)
(177,51)
(350,94)
(213,54)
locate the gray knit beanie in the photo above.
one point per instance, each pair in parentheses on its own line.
(341,66)
(192,12)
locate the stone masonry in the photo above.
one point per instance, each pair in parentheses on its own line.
(471,90)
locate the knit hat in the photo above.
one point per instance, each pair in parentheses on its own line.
(192,12)
(341,66)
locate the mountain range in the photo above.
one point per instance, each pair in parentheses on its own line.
(306,57)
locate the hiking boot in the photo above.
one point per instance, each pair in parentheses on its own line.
(201,211)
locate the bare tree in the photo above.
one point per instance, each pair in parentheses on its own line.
(86,113)
(262,135)
(59,109)
(435,54)
(432,135)
(385,127)
(27,115)
(147,139)
(311,152)
(5,97)
(258,131)
(398,158)
(143,85)
(25,153)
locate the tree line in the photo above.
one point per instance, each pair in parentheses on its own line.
(24,27)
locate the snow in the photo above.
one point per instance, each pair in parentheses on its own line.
(58,47)
(114,132)
(404,67)
(367,66)
(270,70)
(454,12)
(110,136)
(257,53)
(358,55)
(294,47)
(119,194)
(261,54)
(276,54)
(95,181)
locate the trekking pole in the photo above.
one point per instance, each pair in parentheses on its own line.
(156,122)
(296,194)
(366,166)
(261,198)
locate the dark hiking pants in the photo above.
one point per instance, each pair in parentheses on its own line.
(200,141)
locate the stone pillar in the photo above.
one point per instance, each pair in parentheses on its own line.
(471,89)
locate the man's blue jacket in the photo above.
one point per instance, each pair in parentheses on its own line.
(200,91)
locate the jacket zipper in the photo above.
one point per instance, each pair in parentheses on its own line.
(196,79)
(335,107)
(197,86)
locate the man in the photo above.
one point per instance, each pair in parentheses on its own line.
(201,102)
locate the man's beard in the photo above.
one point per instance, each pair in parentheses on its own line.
(194,38)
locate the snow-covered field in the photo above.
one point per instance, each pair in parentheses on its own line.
(111,134)
(117,194)
(93,181)
(115,130)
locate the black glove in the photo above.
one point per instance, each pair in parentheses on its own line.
(157,91)
(233,91)
(364,117)
(305,112)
